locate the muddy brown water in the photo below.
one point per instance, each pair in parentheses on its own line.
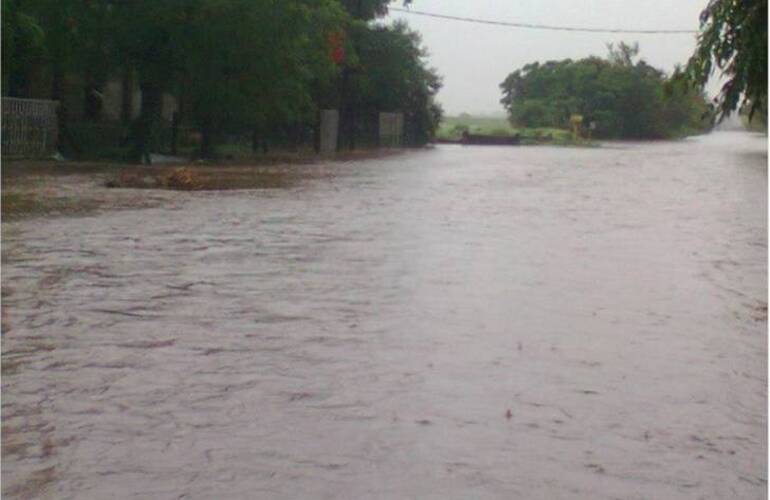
(463,322)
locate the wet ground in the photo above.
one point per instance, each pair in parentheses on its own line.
(463,322)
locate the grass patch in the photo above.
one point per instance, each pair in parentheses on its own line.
(452,128)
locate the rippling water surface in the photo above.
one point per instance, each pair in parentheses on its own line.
(463,322)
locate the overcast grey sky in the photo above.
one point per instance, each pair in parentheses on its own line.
(474,58)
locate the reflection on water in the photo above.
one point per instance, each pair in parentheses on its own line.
(464,322)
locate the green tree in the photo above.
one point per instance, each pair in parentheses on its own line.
(733,39)
(365,9)
(23,48)
(250,63)
(262,67)
(361,12)
(147,41)
(46,40)
(624,97)
(391,75)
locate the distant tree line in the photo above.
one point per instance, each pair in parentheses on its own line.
(253,67)
(621,97)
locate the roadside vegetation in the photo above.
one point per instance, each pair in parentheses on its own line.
(452,128)
(196,75)
(733,40)
(618,97)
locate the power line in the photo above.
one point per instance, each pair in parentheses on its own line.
(543,26)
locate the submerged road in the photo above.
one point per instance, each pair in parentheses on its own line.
(456,323)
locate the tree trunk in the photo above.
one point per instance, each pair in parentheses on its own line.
(18,81)
(174,132)
(92,100)
(352,122)
(207,143)
(126,96)
(91,103)
(149,115)
(255,140)
(343,127)
(64,137)
(317,133)
(296,135)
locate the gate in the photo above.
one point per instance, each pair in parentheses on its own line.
(29,127)
(391,130)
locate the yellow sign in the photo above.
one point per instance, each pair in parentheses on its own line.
(576,121)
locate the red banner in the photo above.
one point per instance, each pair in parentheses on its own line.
(336,47)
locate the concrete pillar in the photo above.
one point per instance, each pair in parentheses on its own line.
(330,119)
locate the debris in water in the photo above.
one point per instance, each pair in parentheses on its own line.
(299,396)
(596,468)
(152,344)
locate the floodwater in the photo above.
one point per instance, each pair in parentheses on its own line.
(455,323)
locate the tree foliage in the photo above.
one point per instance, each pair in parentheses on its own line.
(733,40)
(23,48)
(624,97)
(235,66)
(367,9)
(391,75)
(249,63)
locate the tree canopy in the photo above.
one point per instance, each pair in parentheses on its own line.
(390,75)
(733,40)
(235,66)
(623,97)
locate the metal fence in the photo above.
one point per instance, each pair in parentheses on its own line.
(391,130)
(29,127)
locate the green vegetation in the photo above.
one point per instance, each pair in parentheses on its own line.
(733,39)
(452,128)
(243,71)
(617,97)
(389,74)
